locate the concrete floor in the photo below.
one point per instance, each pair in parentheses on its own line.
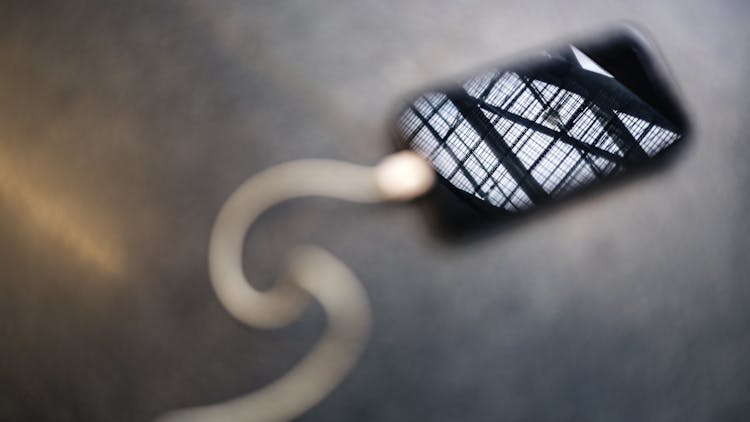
(124,126)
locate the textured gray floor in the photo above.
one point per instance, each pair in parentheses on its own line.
(124,126)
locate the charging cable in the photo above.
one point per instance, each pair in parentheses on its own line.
(312,273)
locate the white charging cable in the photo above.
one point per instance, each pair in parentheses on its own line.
(312,273)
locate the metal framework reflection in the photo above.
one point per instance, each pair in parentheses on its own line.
(516,138)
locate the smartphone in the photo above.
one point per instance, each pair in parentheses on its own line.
(515,137)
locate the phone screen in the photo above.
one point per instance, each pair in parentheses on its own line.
(511,138)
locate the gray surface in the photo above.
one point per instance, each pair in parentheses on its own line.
(124,126)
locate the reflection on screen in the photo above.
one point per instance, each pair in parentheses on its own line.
(516,138)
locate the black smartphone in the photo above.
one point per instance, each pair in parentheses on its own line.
(514,137)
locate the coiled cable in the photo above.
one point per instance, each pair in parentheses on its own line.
(312,273)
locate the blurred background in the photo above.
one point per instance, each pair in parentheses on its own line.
(125,125)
